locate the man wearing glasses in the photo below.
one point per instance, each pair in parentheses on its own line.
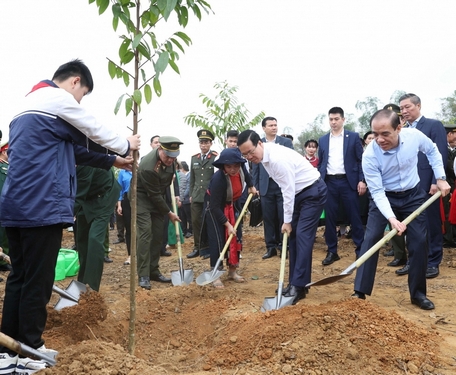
(201,171)
(271,196)
(304,195)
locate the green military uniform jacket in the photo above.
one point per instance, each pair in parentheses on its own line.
(201,172)
(153,179)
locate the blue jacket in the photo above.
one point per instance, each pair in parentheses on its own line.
(43,152)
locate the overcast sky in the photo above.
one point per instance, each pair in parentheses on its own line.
(293,59)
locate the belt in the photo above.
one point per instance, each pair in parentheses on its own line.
(339,176)
(308,187)
(396,193)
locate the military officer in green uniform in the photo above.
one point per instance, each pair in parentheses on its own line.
(449,238)
(155,174)
(201,172)
(3,173)
(96,195)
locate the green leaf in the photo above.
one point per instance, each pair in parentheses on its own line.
(91,1)
(153,39)
(116,10)
(124,47)
(154,14)
(137,97)
(184,37)
(145,18)
(137,40)
(144,51)
(197,11)
(170,4)
(119,72)
(174,66)
(161,5)
(115,23)
(126,78)
(162,62)
(128,105)
(103,6)
(112,69)
(118,104)
(157,86)
(143,74)
(183,16)
(128,57)
(148,93)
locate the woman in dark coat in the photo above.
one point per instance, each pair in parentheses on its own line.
(222,207)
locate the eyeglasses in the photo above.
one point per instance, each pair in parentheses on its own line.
(250,153)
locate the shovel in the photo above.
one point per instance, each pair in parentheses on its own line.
(181,276)
(378,245)
(275,303)
(26,350)
(70,296)
(210,276)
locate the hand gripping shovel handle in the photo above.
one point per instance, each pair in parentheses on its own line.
(349,270)
(24,350)
(393,232)
(228,241)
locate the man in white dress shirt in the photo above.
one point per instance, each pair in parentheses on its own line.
(304,196)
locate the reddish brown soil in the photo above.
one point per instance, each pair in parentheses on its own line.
(200,330)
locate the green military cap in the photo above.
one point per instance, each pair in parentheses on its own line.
(170,145)
(393,107)
(450,128)
(205,134)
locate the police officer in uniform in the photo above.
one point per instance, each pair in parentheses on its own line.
(201,171)
(155,174)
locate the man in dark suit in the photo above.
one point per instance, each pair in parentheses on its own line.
(340,153)
(410,105)
(271,195)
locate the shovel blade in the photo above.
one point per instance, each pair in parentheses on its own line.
(177,278)
(275,303)
(330,279)
(209,277)
(70,296)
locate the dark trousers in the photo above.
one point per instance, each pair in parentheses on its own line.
(185,214)
(120,226)
(91,249)
(33,253)
(307,210)
(435,239)
(126,218)
(403,204)
(272,207)
(199,239)
(149,242)
(339,190)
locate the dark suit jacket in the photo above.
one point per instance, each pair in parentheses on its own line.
(436,132)
(353,153)
(259,175)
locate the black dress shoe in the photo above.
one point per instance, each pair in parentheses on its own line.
(188,235)
(165,253)
(298,292)
(284,290)
(448,245)
(206,256)
(403,271)
(358,295)
(144,282)
(432,272)
(270,252)
(118,241)
(330,259)
(423,303)
(195,253)
(397,262)
(160,278)
(389,253)
(107,259)
(6,267)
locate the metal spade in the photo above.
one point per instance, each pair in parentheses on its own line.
(70,296)
(275,303)
(349,270)
(210,276)
(181,276)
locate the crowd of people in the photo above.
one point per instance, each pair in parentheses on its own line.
(365,183)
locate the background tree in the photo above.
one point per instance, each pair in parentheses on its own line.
(367,107)
(223,113)
(394,98)
(314,130)
(142,58)
(448,112)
